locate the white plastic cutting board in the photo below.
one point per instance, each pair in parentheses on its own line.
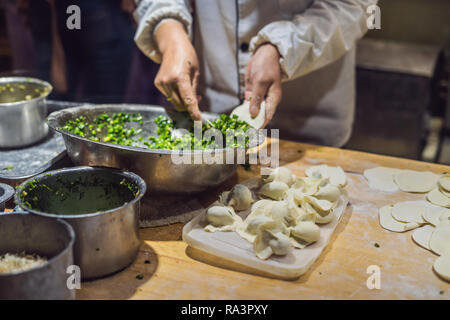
(230,246)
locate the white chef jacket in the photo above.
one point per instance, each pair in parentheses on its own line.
(315,38)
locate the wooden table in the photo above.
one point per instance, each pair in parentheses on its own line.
(340,273)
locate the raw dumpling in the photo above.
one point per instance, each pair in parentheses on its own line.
(382,178)
(222,219)
(304,233)
(259,214)
(249,228)
(321,218)
(240,197)
(279,210)
(297,213)
(275,190)
(261,207)
(308,185)
(281,174)
(243,113)
(322,206)
(389,223)
(335,174)
(223,198)
(270,240)
(328,192)
(416,181)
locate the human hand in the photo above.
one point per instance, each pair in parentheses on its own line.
(178,74)
(263,81)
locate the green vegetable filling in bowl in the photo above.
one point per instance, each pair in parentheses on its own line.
(78,192)
(126,129)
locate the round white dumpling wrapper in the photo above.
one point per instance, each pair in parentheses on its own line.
(442,266)
(422,236)
(410,211)
(416,181)
(389,223)
(434,213)
(444,183)
(440,239)
(243,113)
(438,198)
(382,178)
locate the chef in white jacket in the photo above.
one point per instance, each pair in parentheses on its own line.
(297,55)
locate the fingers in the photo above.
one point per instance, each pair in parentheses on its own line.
(248,83)
(188,97)
(274,95)
(259,91)
(170,92)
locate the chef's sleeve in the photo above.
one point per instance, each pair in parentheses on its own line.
(320,35)
(150,13)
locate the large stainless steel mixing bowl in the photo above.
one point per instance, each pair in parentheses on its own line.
(107,240)
(22,121)
(154,165)
(50,238)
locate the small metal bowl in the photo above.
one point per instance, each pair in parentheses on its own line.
(22,111)
(6,193)
(50,238)
(101,204)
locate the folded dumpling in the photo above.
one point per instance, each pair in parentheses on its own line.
(275,190)
(240,197)
(271,240)
(222,218)
(281,174)
(335,174)
(304,233)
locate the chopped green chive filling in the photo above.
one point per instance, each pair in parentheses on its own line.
(116,129)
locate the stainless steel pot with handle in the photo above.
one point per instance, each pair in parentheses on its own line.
(50,238)
(91,200)
(22,111)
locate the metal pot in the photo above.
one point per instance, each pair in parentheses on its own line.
(156,166)
(6,193)
(52,238)
(106,240)
(22,121)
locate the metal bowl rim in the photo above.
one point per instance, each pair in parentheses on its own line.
(140,183)
(9,192)
(52,121)
(69,246)
(25,80)
(42,169)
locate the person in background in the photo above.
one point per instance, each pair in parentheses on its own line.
(20,39)
(296,55)
(91,64)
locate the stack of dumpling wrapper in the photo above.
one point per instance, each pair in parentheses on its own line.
(288,212)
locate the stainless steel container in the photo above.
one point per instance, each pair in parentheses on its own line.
(106,241)
(6,193)
(51,238)
(156,166)
(22,121)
